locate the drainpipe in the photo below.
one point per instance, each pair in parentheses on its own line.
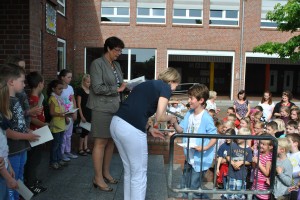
(242,43)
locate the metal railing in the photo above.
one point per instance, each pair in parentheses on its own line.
(215,190)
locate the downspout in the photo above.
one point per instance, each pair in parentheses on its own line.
(242,43)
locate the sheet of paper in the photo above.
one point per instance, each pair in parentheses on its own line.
(184,145)
(45,136)
(85,125)
(134,82)
(24,191)
(71,111)
(41,99)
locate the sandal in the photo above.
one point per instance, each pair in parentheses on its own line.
(111,181)
(87,150)
(82,153)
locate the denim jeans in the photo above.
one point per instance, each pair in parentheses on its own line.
(55,153)
(17,162)
(3,189)
(192,180)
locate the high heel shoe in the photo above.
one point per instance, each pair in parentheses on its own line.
(111,181)
(105,189)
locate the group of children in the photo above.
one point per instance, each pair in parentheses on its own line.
(21,114)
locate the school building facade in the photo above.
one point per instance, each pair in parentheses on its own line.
(208,41)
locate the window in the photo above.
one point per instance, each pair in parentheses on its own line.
(151,11)
(61,9)
(187,12)
(268,5)
(61,54)
(115,11)
(224,12)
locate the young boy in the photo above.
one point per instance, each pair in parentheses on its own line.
(231,112)
(291,127)
(284,170)
(197,120)
(272,129)
(237,168)
(36,84)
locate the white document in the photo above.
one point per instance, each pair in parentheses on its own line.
(134,82)
(41,99)
(184,145)
(85,125)
(45,136)
(72,111)
(24,191)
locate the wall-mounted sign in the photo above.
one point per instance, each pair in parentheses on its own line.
(50,19)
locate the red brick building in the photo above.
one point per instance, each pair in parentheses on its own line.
(208,41)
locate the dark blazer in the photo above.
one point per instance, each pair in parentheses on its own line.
(103,94)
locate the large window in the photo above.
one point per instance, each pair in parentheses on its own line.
(61,7)
(61,54)
(151,11)
(187,12)
(115,11)
(224,12)
(268,5)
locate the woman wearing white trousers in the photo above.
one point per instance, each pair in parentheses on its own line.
(128,128)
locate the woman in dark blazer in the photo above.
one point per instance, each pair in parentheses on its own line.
(285,101)
(104,99)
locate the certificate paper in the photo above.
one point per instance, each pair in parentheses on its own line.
(24,191)
(184,145)
(71,111)
(134,82)
(85,125)
(45,136)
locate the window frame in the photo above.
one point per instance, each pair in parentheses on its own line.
(224,18)
(115,14)
(63,4)
(187,17)
(59,40)
(151,6)
(264,9)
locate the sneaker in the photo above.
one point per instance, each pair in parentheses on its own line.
(70,155)
(55,166)
(63,163)
(37,189)
(65,158)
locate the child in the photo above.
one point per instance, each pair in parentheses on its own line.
(36,84)
(280,128)
(6,171)
(295,114)
(18,135)
(285,114)
(262,171)
(196,121)
(294,157)
(291,127)
(231,111)
(284,170)
(245,123)
(271,128)
(222,165)
(84,113)
(240,156)
(69,103)
(58,122)
(258,130)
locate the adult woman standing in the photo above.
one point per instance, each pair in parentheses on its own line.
(128,128)
(104,99)
(241,105)
(267,105)
(285,101)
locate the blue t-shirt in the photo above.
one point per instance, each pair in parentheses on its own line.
(237,154)
(142,102)
(224,150)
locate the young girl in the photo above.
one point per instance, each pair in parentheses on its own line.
(281,130)
(84,113)
(246,123)
(267,105)
(295,114)
(58,122)
(6,171)
(69,103)
(262,171)
(285,114)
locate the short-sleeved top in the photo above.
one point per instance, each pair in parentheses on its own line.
(210,105)
(4,124)
(224,150)
(241,109)
(23,99)
(66,95)
(142,102)
(33,101)
(84,98)
(295,160)
(17,123)
(267,109)
(238,154)
(57,124)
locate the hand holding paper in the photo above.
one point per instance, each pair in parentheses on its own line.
(45,136)
(71,111)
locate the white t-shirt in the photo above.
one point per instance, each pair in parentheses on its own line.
(211,105)
(295,160)
(267,109)
(67,97)
(3,147)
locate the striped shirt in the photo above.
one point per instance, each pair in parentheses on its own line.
(261,178)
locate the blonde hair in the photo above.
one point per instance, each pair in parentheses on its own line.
(212,94)
(284,143)
(170,75)
(229,123)
(247,120)
(84,77)
(4,99)
(280,123)
(244,131)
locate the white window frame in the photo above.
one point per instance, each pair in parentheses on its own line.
(151,7)
(187,16)
(63,4)
(115,6)
(188,5)
(224,18)
(64,51)
(266,6)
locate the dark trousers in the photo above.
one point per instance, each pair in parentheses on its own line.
(55,153)
(34,157)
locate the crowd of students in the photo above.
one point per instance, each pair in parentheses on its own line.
(21,113)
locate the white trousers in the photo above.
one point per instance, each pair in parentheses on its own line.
(133,149)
